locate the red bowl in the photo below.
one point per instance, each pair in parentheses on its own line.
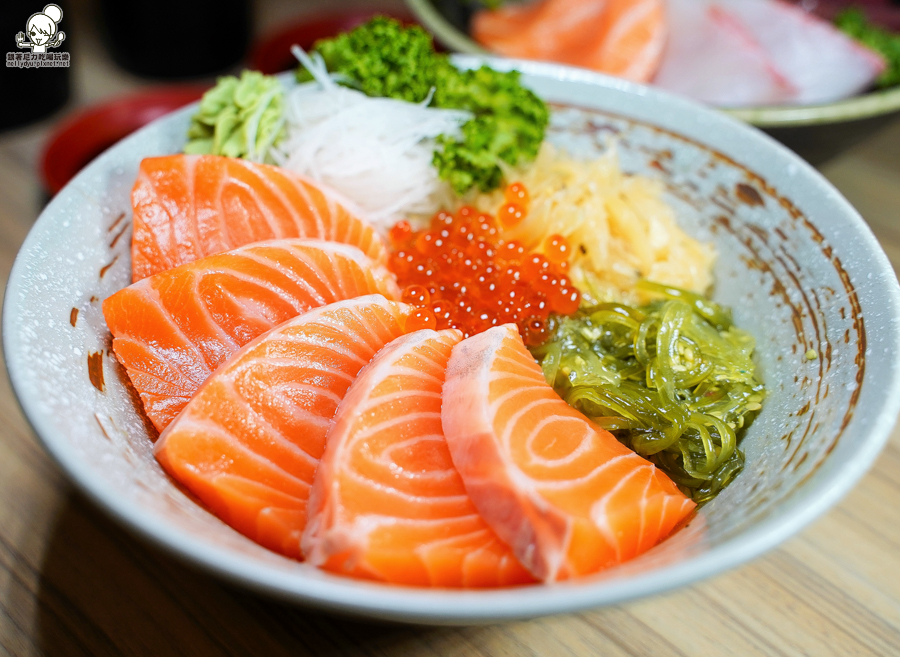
(82,136)
(272,54)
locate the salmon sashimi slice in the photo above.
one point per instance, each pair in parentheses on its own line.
(387,503)
(248,443)
(190,206)
(625,38)
(173,329)
(566,495)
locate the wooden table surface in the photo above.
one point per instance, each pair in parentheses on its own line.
(72,582)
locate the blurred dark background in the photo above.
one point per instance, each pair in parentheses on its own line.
(129,62)
(171,50)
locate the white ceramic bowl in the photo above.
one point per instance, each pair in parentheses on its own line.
(796,263)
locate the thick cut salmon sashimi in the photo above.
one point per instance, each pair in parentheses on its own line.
(190,206)
(387,502)
(565,494)
(249,441)
(172,330)
(625,38)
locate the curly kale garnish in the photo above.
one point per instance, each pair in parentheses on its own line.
(381,58)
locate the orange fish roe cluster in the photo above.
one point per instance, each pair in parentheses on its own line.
(460,274)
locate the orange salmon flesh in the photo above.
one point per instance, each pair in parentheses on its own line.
(387,503)
(190,206)
(248,443)
(173,329)
(567,496)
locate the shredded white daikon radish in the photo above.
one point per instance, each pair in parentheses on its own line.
(375,152)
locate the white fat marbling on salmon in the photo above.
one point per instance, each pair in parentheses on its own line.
(172,330)
(387,503)
(190,206)
(249,442)
(557,489)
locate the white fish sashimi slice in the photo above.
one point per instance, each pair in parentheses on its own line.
(760,52)
(712,58)
(821,62)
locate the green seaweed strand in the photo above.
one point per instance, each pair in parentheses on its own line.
(674,380)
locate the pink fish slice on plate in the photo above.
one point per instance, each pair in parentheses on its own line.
(760,52)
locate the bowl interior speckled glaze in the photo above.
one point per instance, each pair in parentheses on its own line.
(797,264)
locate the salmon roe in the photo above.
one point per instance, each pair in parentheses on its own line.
(516,193)
(400,232)
(511,215)
(460,274)
(556,247)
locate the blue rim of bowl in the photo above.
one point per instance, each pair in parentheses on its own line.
(454,607)
(865,106)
